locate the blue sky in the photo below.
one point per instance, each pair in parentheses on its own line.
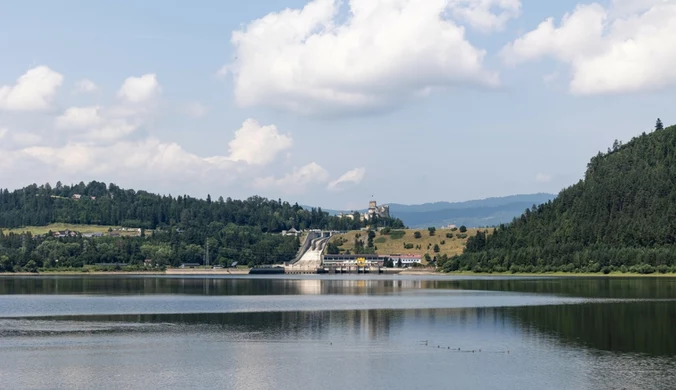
(328,103)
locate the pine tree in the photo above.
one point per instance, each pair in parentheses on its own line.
(659,125)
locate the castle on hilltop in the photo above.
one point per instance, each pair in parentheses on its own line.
(373,211)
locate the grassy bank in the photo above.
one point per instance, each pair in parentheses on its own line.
(39,230)
(450,243)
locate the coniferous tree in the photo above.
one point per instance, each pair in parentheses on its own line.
(620,218)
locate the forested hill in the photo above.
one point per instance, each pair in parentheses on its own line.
(101,204)
(620,217)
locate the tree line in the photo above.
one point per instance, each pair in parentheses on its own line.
(227,244)
(101,204)
(179,229)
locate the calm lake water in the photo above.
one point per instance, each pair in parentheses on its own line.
(337,332)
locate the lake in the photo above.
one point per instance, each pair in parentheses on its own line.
(337,332)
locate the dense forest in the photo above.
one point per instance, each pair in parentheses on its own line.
(98,204)
(620,218)
(174,230)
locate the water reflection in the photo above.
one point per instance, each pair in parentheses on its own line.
(617,345)
(653,288)
(636,327)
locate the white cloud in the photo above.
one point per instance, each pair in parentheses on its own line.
(627,47)
(543,178)
(95,124)
(258,145)
(86,86)
(145,158)
(354,176)
(297,181)
(480,13)
(79,118)
(33,91)
(3,132)
(140,89)
(315,61)
(196,109)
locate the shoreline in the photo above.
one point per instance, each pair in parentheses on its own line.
(541,274)
(220,272)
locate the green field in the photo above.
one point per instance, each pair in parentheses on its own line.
(394,242)
(39,230)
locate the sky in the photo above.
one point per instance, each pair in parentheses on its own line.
(328,102)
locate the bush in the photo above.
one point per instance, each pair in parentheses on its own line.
(385,231)
(463,229)
(462,236)
(397,234)
(408,246)
(432,231)
(443,242)
(449,235)
(646,269)
(417,235)
(663,269)
(437,249)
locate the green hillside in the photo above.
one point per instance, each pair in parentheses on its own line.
(442,242)
(620,217)
(167,231)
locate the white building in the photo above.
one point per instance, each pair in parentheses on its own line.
(406,260)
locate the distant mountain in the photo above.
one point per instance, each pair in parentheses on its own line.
(473,204)
(472,213)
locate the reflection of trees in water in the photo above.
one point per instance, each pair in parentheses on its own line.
(364,324)
(636,327)
(134,285)
(587,287)
(126,285)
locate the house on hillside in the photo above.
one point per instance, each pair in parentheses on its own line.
(76,196)
(64,233)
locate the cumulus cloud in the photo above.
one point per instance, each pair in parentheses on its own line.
(148,157)
(481,14)
(33,91)
(96,124)
(351,177)
(79,118)
(628,46)
(140,89)
(258,145)
(86,86)
(316,61)
(296,181)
